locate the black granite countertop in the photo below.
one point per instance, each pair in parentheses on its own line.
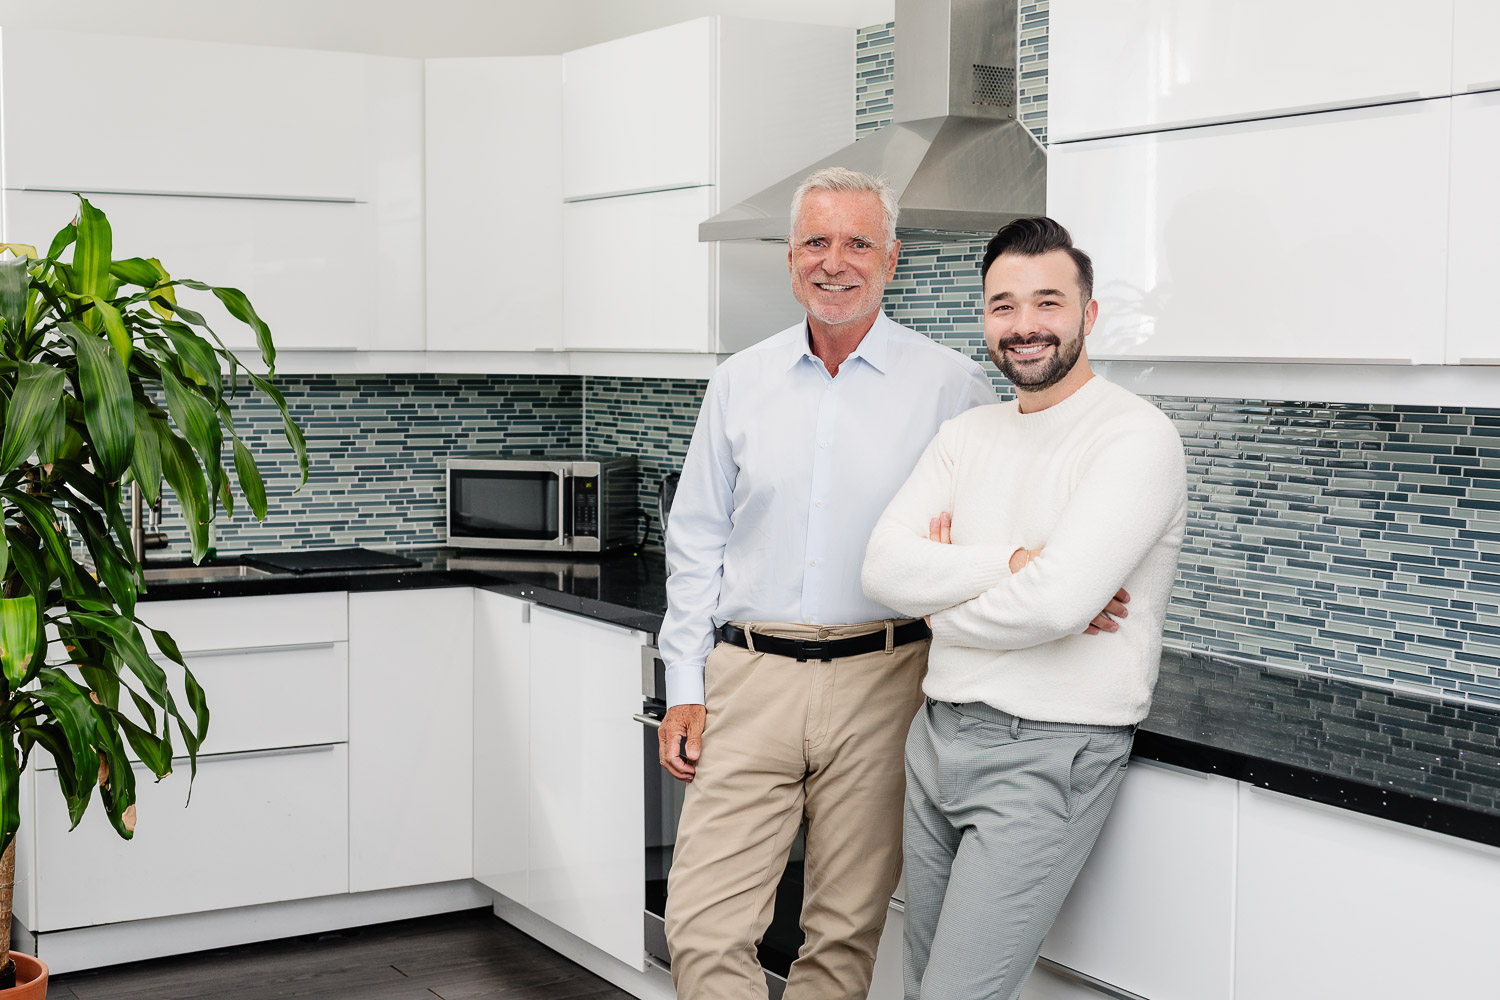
(1403,757)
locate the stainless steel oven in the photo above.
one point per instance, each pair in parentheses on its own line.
(664,795)
(543,503)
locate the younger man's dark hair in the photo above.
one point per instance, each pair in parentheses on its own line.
(1033,237)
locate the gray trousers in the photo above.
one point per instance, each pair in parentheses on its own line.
(1001,814)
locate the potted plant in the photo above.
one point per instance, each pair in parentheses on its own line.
(105,380)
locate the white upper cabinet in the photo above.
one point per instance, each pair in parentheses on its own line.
(1315,238)
(494,203)
(639,112)
(1122,66)
(186,117)
(1473,254)
(1476,57)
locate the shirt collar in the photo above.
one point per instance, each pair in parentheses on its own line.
(871,349)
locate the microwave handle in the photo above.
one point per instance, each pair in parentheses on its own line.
(562,506)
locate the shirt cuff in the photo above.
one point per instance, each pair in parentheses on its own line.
(685,685)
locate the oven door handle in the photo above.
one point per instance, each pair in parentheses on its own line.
(647,720)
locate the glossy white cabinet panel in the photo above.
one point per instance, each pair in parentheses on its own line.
(1166,857)
(887,981)
(502,742)
(494,204)
(237,623)
(262,827)
(1121,66)
(638,112)
(635,276)
(587,851)
(1335,904)
(1476,57)
(394,113)
(1266,241)
(169,115)
(1474,221)
(306,266)
(411,741)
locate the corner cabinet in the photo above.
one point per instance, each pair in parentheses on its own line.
(660,131)
(502,743)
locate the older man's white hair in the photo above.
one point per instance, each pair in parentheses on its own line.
(844,179)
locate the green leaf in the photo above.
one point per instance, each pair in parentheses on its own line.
(91,257)
(64,239)
(240,308)
(34,408)
(202,364)
(154,752)
(4,556)
(15,289)
(199,423)
(184,475)
(114,325)
(108,408)
(10,788)
(289,426)
(145,464)
(136,271)
(18,628)
(43,520)
(71,708)
(163,296)
(245,469)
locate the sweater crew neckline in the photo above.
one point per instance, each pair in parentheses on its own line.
(1063,413)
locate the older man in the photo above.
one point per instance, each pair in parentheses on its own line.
(789,691)
(1018,522)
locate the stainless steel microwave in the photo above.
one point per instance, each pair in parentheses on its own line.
(543,503)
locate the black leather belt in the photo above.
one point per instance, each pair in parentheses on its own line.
(825,649)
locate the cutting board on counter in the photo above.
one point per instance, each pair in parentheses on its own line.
(329,560)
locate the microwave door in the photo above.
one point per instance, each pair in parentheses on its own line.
(516,508)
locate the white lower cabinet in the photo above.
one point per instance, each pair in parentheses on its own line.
(1153,910)
(587,823)
(1335,904)
(263,826)
(410,737)
(502,742)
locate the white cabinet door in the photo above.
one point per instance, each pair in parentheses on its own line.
(1165,857)
(494,204)
(638,112)
(1476,58)
(1265,240)
(887,981)
(411,746)
(305,266)
(1335,904)
(587,856)
(169,115)
(502,742)
(1140,65)
(1474,218)
(262,827)
(635,277)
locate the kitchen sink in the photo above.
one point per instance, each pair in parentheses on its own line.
(206,572)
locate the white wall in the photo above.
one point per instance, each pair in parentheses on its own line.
(403,28)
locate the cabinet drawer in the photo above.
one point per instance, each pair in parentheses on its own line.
(261,828)
(227,623)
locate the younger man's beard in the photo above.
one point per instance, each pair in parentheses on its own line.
(1035,379)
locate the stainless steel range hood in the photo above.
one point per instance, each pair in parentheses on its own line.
(960,161)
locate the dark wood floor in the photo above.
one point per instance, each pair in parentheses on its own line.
(459,956)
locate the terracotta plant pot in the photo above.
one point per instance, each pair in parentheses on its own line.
(31,979)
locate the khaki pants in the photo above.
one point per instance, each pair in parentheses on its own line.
(786,740)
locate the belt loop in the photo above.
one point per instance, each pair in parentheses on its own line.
(750,636)
(890,636)
(1015,726)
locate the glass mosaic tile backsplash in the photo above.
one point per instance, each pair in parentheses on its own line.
(1361,541)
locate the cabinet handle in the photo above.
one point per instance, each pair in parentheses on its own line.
(632,192)
(253,754)
(220,196)
(647,720)
(1086,980)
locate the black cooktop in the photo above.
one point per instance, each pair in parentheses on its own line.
(328,560)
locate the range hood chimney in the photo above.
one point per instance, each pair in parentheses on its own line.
(959,159)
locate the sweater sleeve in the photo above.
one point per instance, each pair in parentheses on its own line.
(910,574)
(1129,497)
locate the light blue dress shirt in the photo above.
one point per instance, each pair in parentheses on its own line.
(787,473)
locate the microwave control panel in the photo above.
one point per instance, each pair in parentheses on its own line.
(585,506)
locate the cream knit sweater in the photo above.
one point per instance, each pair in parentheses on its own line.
(1098,483)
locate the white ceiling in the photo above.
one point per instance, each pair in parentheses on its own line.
(417,27)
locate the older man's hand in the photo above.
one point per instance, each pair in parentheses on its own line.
(680,740)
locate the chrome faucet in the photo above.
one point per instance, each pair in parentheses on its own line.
(140,538)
